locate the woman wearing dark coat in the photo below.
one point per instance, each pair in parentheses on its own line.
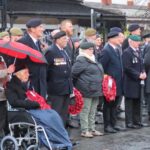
(87,77)
(48,118)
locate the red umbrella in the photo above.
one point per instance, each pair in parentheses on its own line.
(21,51)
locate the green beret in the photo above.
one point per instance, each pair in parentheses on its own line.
(135,38)
(87,45)
(16,31)
(3,34)
(90,32)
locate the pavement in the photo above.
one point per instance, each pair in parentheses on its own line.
(131,139)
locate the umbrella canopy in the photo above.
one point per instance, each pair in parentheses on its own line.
(21,51)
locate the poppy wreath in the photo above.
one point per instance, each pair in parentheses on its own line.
(109,88)
(34,96)
(77,107)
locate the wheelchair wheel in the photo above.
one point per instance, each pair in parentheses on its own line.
(9,143)
(33,147)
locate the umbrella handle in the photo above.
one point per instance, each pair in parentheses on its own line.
(14,61)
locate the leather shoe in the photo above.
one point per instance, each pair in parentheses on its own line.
(132,126)
(110,130)
(73,124)
(142,124)
(118,128)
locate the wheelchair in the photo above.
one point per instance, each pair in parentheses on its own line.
(23,132)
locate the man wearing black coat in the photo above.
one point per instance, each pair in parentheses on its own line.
(59,75)
(134,29)
(133,75)
(38,71)
(146,53)
(112,64)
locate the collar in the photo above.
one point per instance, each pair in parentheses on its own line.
(59,47)
(113,46)
(133,49)
(34,39)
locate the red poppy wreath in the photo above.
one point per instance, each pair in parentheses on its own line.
(77,107)
(109,88)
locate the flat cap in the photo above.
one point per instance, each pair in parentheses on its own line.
(3,34)
(90,32)
(115,29)
(133,27)
(16,31)
(59,35)
(135,38)
(32,23)
(87,45)
(112,34)
(146,36)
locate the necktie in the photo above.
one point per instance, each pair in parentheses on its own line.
(38,45)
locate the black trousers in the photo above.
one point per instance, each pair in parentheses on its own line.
(132,111)
(60,104)
(3,117)
(109,112)
(148,102)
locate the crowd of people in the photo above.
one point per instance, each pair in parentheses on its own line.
(80,63)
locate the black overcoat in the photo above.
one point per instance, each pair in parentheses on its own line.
(132,69)
(59,72)
(112,64)
(147,67)
(37,71)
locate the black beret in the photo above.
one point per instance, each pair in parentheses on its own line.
(117,29)
(32,23)
(112,34)
(146,36)
(133,27)
(20,65)
(87,45)
(59,35)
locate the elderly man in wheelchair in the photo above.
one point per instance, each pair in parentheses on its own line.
(21,96)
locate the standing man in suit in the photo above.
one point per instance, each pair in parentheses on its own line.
(59,75)
(133,75)
(111,62)
(35,30)
(134,29)
(67,26)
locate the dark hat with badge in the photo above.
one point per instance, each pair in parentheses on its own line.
(115,29)
(133,27)
(146,36)
(32,23)
(112,34)
(59,35)
(87,45)
(135,38)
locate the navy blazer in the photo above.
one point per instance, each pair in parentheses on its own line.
(59,72)
(37,71)
(112,64)
(132,69)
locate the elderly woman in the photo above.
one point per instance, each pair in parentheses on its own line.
(48,118)
(87,76)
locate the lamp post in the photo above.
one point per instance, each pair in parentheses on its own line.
(3,9)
